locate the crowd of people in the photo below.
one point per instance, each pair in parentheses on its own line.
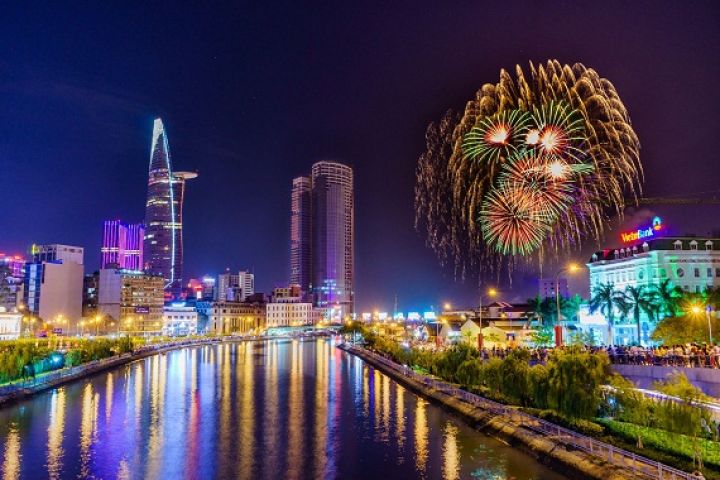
(691,355)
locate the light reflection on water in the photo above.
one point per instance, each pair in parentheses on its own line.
(280,409)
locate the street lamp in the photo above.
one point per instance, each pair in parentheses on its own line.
(491,293)
(697,310)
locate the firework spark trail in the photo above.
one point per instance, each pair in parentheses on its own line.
(536,164)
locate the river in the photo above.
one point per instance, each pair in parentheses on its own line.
(275,409)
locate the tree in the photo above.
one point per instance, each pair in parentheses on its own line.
(684,329)
(607,300)
(637,299)
(666,298)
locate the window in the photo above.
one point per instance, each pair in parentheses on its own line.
(693,245)
(678,245)
(680,272)
(709,272)
(697,272)
(708,245)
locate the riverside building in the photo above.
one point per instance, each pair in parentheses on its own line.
(647,258)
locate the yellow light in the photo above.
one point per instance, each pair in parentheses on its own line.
(557,169)
(532,137)
(492,292)
(573,267)
(696,310)
(448,306)
(499,134)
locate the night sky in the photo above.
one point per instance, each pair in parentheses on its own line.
(252,95)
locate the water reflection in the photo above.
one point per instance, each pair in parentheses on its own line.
(11,463)
(282,409)
(55,431)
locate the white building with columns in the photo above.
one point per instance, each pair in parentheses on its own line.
(691,263)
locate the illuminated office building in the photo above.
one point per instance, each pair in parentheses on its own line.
(163,248)
(12,271)
(322,236)
(122,245)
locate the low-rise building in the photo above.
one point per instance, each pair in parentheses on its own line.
(648,258)
(287,309)
(180,320)
(10,324)
(132,298)
(228,318)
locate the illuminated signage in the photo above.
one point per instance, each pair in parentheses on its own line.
(643,233)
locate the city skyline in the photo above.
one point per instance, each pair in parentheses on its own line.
(251,122)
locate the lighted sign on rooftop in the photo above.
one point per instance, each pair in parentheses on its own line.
(649,231)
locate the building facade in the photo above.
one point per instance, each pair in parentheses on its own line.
(12,272)
(235,287)
(233,318)
(10,324)
(53,283)
(122,245)
(322,237)
(180,320)
(163,245)
(133,299)
(546,287)
(301,233)
(691,263)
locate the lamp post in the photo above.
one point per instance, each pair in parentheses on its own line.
(570,268)
(491,293)
(697,310)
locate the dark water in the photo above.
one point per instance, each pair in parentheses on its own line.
(280,409)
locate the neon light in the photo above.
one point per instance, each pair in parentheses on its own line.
(644,232)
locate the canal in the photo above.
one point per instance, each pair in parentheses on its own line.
(275,409)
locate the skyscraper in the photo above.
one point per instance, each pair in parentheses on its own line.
(300,233)
(163,249)
(122,245)
(322,237)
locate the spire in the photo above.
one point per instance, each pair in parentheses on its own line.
(159,150)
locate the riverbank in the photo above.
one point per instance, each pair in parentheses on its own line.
(563,449)
(22,390)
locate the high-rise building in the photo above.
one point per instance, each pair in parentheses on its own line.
(163,249)
(122,245)
(322,248)
(53,283)
(246,280)
(235,287)
(301,233)
(12,270)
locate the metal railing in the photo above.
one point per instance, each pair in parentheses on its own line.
(609,453)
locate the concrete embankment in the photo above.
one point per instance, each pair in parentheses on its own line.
(644,376)
(574,463)
(20,391)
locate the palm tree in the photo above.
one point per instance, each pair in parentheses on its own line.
(667,298)
(636,300)
(607,300)
(535,309)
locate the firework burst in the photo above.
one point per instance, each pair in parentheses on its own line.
(537,163)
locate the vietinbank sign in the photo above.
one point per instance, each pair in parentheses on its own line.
(643,233)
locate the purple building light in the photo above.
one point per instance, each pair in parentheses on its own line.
(122,245)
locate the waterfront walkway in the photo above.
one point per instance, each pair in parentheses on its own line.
(626,461)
